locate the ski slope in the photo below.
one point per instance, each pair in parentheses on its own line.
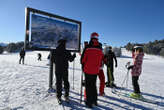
(24,87)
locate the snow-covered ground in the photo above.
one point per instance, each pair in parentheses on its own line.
(24,87)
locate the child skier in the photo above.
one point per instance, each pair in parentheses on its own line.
(136,71)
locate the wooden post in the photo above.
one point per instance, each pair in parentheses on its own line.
(27,22)
(51,71)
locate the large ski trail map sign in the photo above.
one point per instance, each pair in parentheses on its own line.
(44,30)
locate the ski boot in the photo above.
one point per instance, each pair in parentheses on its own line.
(136,95)
(51,90)
(102,94)
(66,99)
(59,101)
(95,104)
(107,84)
(88,104)
(113,85)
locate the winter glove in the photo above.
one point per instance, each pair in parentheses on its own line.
(130,67)
(83,83)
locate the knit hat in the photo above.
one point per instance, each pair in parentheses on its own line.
(94,35)
(62,42)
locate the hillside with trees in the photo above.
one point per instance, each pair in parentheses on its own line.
(11,47)
(1,49)
(155,48)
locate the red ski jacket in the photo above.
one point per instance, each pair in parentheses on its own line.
(92,60)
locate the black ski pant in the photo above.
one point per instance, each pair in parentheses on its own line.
(110,76)
(135,84)
(21,59)
(91,89)
(39,58)
(60,78)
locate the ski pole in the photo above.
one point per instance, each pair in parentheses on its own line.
(81,89)
(125,78)
(127,75)
(51,71)
(127,65)
(73,72)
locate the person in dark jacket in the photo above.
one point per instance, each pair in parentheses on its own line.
(61,57)
(91,61)
(22,56)
(110,56)
(39,56)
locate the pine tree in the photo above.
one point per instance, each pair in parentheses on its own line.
(1,49)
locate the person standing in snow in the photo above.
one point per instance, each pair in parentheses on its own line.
(22,56)
(101,76)
(136,70)
(110,56)
(61,56)
(39,56)
(91,60)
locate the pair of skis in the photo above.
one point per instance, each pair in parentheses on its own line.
(143,99)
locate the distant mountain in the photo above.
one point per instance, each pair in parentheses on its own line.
(3,44)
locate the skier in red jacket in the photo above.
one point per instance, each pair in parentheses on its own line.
(91,60)
(100,75)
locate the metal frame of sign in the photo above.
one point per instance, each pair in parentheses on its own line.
(28,11)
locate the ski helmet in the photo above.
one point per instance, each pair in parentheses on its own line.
(109,48)
(136,47)
(94,35)
(140,48)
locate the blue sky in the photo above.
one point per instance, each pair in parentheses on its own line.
(117,21)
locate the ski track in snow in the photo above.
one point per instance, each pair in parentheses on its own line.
(24,87)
